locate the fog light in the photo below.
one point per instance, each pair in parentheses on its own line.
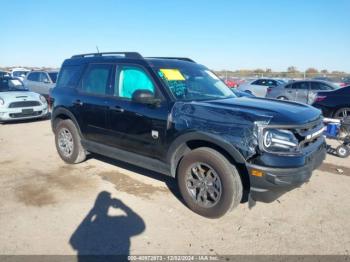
(257,173)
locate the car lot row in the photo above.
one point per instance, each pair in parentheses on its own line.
(333,100)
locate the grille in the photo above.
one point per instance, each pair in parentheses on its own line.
(24,104)
(310,133)
(18,115)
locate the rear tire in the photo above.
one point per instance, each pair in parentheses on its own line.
(219,189)
(68,142)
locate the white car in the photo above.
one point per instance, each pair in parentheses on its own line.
(19,73)
(17,103)
(258,87)
(41,81)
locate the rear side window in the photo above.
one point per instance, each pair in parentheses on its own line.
(34,76)
(97,78)
(69,76)
(301,85)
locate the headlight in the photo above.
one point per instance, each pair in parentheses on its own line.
(279,141)
(43,99)
(2,102)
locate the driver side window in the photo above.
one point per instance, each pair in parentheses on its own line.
(130,79)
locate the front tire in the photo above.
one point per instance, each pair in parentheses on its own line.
(68,144)
(209,184)
(342,113)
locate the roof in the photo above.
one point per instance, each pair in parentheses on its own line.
(128,57)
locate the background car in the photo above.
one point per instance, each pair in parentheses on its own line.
(300,91)
(334,104)
(4,74)
(233,82)
(339,81)
(241,93)
(17,103)
(19,73)
(41,81)
(259,87)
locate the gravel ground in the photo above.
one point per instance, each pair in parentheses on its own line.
(106,207)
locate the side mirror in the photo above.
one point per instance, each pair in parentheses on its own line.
(144,96)
(46,81)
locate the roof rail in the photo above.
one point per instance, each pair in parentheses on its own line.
(176,58)
(132,55)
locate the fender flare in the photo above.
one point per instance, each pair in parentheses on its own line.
(179,148)
(63,111)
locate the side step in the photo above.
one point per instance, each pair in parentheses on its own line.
(125,156)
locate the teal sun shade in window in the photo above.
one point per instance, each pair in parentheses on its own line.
(132,79)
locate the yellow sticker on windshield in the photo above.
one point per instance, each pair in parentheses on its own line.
(173,74)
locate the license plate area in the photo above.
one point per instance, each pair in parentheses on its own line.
(27,111)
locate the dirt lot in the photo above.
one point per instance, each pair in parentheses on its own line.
(101,207)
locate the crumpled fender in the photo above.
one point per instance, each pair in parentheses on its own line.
(235,131)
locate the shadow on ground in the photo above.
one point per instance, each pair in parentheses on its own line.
(101,235)
(169,181)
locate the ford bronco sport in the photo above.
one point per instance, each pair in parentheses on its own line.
(176,117)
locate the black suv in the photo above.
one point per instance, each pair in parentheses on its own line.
(176,117)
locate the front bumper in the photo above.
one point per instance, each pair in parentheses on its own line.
(13,114)
(268,183)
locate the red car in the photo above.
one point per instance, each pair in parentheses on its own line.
(233,82)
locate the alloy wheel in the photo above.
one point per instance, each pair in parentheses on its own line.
(204,185)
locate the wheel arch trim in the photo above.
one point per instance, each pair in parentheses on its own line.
(179,148)
(57,112)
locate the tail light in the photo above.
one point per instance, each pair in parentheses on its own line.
(320,98)
(269,89)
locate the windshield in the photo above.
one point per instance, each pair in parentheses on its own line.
(192,82)
(53,76)
(19,73)
(7,85)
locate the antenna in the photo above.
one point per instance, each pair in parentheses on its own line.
(98,51)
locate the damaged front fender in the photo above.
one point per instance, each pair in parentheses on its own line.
(237,130)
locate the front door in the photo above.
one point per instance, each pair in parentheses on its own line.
(302,91)
(136,127)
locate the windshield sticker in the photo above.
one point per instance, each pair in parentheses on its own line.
(172,74)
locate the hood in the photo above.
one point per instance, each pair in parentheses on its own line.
(13,96)
(255,109)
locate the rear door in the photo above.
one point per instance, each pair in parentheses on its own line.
(91,103)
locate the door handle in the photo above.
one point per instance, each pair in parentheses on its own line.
(117,109)
(78,103)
